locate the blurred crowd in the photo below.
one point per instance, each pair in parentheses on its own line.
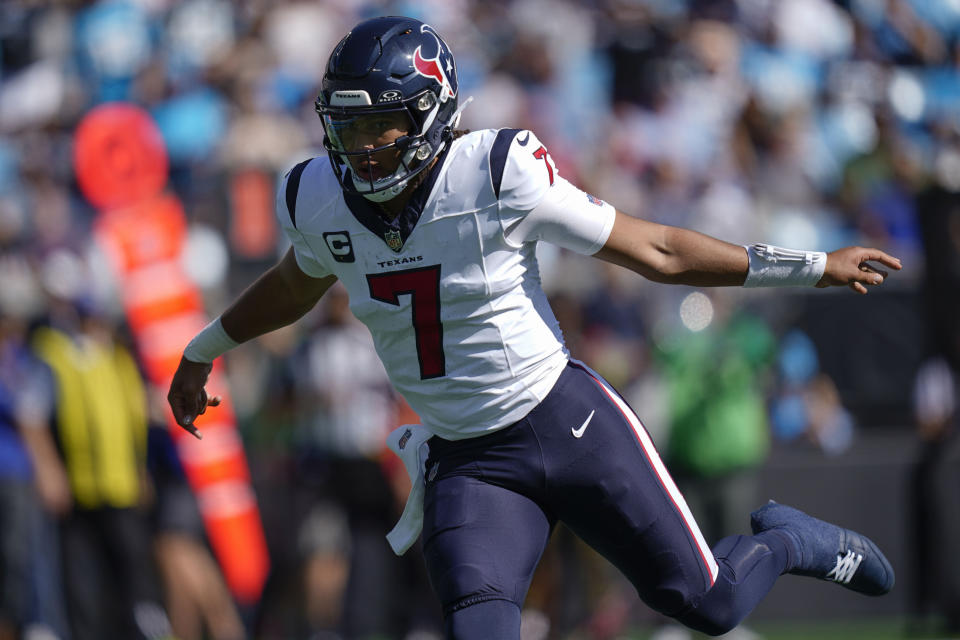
(803,123)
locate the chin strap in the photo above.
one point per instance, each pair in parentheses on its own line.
(386,194)
(455,120)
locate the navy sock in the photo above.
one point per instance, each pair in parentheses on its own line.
(489,619)
(783,545)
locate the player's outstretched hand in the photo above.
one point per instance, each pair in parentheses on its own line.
(851,266)
(187,396)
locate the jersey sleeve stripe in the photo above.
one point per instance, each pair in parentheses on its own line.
(498,156)
(293,186)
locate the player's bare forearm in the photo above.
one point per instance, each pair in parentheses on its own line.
(680,256)
(673,255)
(279,297)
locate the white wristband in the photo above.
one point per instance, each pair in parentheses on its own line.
(210,343)
(772,266)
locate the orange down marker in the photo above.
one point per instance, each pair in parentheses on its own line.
(121,167)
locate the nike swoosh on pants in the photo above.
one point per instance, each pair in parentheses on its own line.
(578,433)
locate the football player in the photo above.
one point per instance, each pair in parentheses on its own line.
(433,232)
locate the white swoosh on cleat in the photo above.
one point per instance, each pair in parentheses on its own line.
(578,433)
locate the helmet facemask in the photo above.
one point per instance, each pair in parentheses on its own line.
(389,64)
(351,129)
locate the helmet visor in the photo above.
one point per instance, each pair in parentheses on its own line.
(365,131)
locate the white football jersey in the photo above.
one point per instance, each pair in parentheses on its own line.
(450,290)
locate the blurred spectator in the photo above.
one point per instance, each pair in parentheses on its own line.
(15,499)
(110,582)
(935,602)
(714,367)
(719,436)
(29,576)
(934,505)
(878,190)
(197,598)
(351,577)
(806,403)
(939,222)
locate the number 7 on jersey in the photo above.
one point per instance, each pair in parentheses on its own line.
(423,286)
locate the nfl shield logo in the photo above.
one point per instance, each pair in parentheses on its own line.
(393,240)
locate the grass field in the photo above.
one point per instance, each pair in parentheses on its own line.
(884,629)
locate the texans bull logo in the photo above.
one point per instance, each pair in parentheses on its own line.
(434,68)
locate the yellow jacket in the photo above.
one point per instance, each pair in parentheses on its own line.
(101,417)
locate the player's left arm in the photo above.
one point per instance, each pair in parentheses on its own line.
(537,204)
(675,255)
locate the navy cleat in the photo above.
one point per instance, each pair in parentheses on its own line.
(827,551)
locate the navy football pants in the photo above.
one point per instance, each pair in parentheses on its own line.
(492,501)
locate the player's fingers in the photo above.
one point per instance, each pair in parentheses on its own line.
(869,268)
(883,258)
(214,401)
(869,277)
(189,426)
(859,288)
(177,407)
(182,406)
(183,415)
(202,409)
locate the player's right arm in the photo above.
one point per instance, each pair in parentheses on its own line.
(278,298)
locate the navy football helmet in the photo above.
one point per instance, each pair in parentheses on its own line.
(391,66)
